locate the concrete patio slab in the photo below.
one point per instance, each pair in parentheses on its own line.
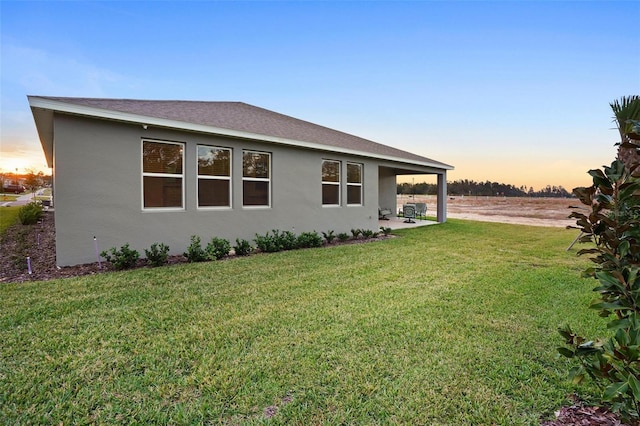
(399,223)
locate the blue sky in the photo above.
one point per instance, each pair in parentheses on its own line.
(509,91)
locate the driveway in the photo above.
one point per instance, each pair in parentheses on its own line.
(22,199)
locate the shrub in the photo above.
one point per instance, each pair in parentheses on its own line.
(329,236)
(217,248)
(124,258)
(356,232)
(368,233)
(309,239)
(157,254)
(385,231)
(267,243)
(343,236)
(276,241)
(242,247)
(287,240)
(194,252)
(30,214)
(612,226)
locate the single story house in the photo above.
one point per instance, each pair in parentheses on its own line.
(147,171)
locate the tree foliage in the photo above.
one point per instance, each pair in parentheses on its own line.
(471,187)
(611,223)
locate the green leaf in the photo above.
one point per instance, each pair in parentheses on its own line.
(634,385)
(566,352)
(623,248)
(613,390)
(577,375)
(618,324)
(608,305)
(606,276)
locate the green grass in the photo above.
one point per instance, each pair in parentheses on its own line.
(8,217)
(451,324)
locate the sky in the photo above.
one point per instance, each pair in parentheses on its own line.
(514,92)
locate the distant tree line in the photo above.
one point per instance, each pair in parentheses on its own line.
(471,187)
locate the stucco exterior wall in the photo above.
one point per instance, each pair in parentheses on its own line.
(387,189)
(98,191)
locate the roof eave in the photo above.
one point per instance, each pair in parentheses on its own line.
(44,124)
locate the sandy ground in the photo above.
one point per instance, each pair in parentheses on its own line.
(525,211)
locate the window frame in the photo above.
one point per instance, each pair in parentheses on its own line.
(212,177)
(338,183)
(181,176)
(356,184)
(254,179)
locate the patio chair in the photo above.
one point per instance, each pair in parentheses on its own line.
(409,212)
(421,210)
(382,214)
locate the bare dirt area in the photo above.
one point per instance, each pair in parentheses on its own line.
(518,210)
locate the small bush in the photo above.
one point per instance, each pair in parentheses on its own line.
(368,233)
(267,243)
(356,233)
(124,258)
(309,239)
(385,231)
(329,236)
(276,241)
(217,248)
(287,240)
(157,254)
(194,252)
(343,236)
(30,214)
(242,247)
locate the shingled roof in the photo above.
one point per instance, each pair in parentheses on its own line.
(236,119)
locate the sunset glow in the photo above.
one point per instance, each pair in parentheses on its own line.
(23,164)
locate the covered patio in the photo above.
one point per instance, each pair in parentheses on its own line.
(387,192)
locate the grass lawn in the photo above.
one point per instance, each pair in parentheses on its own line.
(8,216)
(451,324)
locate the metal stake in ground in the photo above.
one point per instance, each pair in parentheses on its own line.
(95,246)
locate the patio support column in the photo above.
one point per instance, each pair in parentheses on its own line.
(442,197)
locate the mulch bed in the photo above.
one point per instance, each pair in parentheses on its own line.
(38,243)
(581,414)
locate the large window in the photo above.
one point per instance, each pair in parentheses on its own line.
(330,183)
(354,184)
(162,174)
(256,178)
(214,176)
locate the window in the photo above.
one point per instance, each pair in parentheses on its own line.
(354,184)
(256,178)
(214,176)
(162,175)
(330,183)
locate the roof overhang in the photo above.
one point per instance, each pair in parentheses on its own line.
(43,110)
